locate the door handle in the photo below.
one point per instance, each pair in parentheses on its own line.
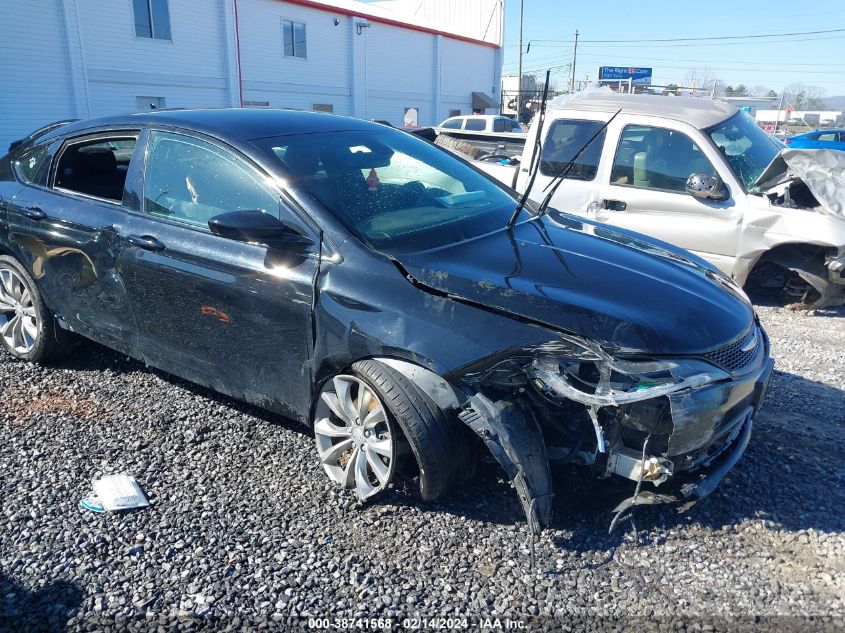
(615,205)
(147,242)
(33,213)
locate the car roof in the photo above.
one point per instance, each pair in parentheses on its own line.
(697,111)
(479,116)
(240,124)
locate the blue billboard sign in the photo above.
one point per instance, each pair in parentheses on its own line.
(640,76)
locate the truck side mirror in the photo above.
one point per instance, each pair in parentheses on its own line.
(707,187)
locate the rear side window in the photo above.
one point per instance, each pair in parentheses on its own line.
(828,136)
(499,126)
(452,124)
(32,166)
(95,168)
(190,180)
(564,141)
(476,125)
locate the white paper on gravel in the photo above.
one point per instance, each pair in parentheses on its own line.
(119,492)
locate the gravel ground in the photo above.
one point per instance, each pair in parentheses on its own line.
(245,532)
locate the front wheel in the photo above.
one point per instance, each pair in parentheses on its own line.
(28,330)
(374,424)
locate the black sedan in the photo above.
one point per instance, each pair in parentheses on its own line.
(368,284)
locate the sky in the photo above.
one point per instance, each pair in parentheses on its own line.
(773,61)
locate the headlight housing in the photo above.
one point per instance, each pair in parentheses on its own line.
(593,377)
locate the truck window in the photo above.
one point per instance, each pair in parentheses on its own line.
(499,125)
(565,139)
(452,124)
(656,158)
(475,125)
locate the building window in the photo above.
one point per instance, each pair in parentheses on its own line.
(323,107)
(293,37)
(152,19)
(143,104)
(454,113)
(256,104)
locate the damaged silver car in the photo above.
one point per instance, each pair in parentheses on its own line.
(701,175)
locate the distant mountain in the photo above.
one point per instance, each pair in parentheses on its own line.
(836,103)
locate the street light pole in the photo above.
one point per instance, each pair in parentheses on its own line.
(519,79)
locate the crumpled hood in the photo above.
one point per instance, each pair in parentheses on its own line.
(822,170)
(616,287)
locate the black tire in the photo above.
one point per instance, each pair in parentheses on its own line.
(443,454)
(797,291)
(51,341)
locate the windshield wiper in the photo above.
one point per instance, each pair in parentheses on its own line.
(535,154)
(558,178)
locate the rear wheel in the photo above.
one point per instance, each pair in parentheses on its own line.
(28,330)
(374,425)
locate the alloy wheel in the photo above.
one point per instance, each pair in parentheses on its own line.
(354,437)
(18,316)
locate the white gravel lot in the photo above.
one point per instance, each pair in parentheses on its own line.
(245,532)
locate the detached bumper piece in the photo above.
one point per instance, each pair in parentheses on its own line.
(516,441)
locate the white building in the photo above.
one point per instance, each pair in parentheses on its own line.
(821,117)
(398,60)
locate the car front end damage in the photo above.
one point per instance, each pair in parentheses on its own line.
(810,248)
(675,426)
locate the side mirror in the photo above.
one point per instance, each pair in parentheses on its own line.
(259,227)
(707,187)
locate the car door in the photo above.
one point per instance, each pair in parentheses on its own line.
(64,225)
(217,311)
(644,189)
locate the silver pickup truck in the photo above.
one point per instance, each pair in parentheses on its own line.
(702,175)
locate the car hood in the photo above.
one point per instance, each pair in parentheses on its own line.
(615,287)
(822,170)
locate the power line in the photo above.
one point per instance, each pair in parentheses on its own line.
(619,44)
(733,61)
(699,44)
(700,39)
(540,60)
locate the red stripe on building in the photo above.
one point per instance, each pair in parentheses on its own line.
(404,25)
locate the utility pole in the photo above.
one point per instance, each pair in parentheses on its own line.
(574,59)
(519,79)
(780,107)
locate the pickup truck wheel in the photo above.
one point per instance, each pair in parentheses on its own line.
(28,330)
(373,424)
(797,291)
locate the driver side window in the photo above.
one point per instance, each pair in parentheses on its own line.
(190,180)
(657,158)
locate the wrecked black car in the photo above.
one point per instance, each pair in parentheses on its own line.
(369,285)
